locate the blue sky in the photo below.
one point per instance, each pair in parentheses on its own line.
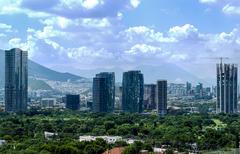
(87,34)
(168,13)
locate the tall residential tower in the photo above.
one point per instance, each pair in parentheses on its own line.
(227,78)
(16,80)
(132,92)
(149,96)
(162,97)
(104,92)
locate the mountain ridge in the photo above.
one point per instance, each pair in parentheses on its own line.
(36,70)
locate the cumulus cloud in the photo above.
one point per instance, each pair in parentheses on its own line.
(90,34)
(231,10)
(208,1)
(6,27)
(229,7)
(184,32)
(128,45)
(80,9)
(73,9)
(28,45)
(143,48)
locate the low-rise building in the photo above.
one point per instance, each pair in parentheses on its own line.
(49,135)
(108,139)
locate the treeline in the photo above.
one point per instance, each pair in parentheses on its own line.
(24,133)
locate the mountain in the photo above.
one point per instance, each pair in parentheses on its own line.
(169,71)
(38,71)
(38,85)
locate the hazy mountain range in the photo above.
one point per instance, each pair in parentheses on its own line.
(168,71)
(38,72)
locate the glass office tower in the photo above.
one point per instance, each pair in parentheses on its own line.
(16,80)
(132,92)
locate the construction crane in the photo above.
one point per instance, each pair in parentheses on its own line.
(219,58)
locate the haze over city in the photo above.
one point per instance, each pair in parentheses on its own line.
(75,36)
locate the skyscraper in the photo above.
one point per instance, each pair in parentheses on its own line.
(132,91)
(227,79)
(73,102)
(162,97)
(16,80)
(104,92)
(188,88)
(150,96)
(199,91)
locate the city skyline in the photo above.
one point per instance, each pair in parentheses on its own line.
(119,76)
(97,36)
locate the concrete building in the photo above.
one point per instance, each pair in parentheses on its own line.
(227,79)
(48,102)
(132,92)
(149,97)
(108,139)
(73,102)
(162,97)
(16,80)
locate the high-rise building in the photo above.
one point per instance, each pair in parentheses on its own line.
(149,96)
(176,89)
(162,97)
(199,91)
(73,102)
(188,88)
(104,92)
(227,79)
(132,91)
(16,80)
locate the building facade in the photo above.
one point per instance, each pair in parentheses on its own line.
(227,78)
(162,97)
(188,88)
(149,96)
(16,80)
(132,92)
(73,102)
(104,92)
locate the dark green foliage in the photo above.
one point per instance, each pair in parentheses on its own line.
(24,133)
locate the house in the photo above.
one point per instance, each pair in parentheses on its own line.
(117,150)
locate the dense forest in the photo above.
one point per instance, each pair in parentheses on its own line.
(24,133)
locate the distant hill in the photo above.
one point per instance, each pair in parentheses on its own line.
(38,71)
(38,85)
(169,71)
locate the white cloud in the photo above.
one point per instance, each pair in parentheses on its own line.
(208,1)
(145,34)
(48,32)
(29,45)
(184,32)
(87,52)
(231,10)
(144,49)
(135,3)
(229,7)
(90,4)
(3,35)
(6,27)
